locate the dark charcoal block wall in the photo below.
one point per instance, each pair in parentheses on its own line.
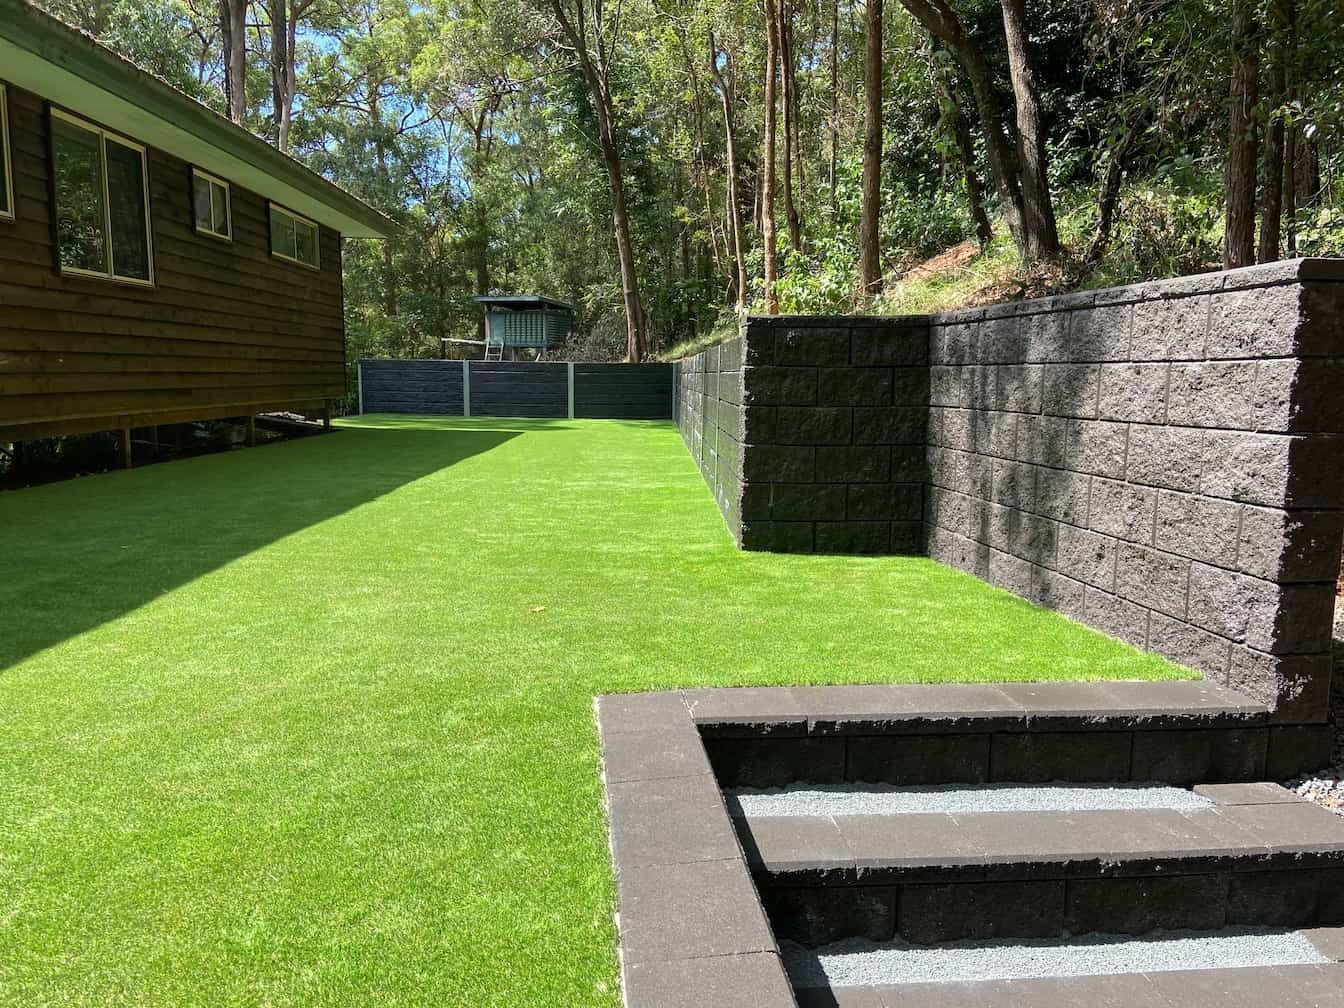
(1161,462)
(709,414)
(834,422)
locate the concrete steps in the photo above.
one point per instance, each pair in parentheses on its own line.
(1256,856)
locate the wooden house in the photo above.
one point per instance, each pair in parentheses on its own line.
(158,264)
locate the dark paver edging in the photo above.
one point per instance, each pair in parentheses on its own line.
(692,927)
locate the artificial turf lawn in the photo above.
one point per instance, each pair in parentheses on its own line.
(311,724)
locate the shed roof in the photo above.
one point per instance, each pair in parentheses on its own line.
(522,302)
(68,67)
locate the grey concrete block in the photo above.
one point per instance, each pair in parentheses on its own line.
(1041,440)
(908,539)
(885,502)
(777,537)
(1100,334)
(1172,329)
(1002,341)
(1011,573)
(890,424)
(1189,645)
(1122,510)
(1025,535)
(780,464)
(890,344)
(1256,322)
(812,346)
(909,386)
(1255,468)
(780,386)
(854,386)
(1222,601)
(1302,749)
(682,911)
(854,537)
(1118,617)
(1017,388)
(909,464)
(807,502)
(1047,336)
(1290,545)
(669,821)
(853,464)
(776,762)
(948,386)
(1153,579)
(1014,484)
(915,760)
(1063,495)
(1139,905)
(1170,457)
(821,425)
(1208,756)
(1071,390)
(1086,556)
(954,344)
(945,913)
(733,981)
(822,914)
(1133,392)
(759,424)
(1061,593)
(996,433)
(952,428)
(1097,447)
(1278,899)
(1213,394)
(1060,756)
(1202,528)
(1296,687)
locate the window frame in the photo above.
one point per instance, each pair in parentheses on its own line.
(103,135)
(273,207)
(197,173)
(6,157)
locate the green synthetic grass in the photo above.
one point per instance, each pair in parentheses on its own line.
(311,724)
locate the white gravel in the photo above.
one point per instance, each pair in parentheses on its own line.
(879,800)
(860,963)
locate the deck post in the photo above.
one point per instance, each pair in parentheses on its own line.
(359,383)
(466,387)
(251,430)
(571,390)
(326,417)
(126,457)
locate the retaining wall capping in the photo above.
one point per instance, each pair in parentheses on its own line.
(1163,462)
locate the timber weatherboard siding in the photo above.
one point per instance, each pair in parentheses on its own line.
(226,329)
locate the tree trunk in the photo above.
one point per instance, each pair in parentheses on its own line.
(233,33)
(942,21)
(1271,192)
(870,253)
(835,103)
(768,160)
(1038,213)
(786,99)
(954,120)
(1239,179)
(593,67)
(1110,196)
(730,142)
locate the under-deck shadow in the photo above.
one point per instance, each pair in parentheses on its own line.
(77,554)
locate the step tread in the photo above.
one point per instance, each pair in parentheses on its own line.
(1001,707)
(839,848)
(1312,986)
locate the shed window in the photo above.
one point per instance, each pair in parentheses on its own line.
(293,237)
(102,202)
(6,167)
(211,202)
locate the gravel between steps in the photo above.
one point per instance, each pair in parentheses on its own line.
(966,799)
(861,963)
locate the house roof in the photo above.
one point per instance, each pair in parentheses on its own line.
(522,302)
(68,67)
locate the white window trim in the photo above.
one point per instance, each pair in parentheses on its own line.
(7,167)
(228,205)
(317,238)
(103,136)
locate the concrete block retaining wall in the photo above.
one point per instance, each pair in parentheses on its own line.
(1164,462)
(710,416)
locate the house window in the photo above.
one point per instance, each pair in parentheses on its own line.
(6,168)
(211,204)
(102,202)
(293,237)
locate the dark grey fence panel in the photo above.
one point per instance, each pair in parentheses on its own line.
(623,391)
(411,386)
(508,389)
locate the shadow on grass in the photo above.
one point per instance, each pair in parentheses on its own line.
(76,554)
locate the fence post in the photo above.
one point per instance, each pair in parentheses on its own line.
(359,381)
(571,390)
(466,387)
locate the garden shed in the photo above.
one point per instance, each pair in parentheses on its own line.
(524,322)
